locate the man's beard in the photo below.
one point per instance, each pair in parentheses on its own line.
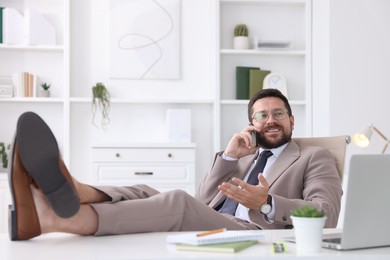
(268,144)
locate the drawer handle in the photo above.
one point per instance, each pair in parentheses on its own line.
(143,173)
(170,155)
(117,155)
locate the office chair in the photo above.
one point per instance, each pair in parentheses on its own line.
(336,145)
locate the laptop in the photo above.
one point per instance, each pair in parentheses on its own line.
(366,219)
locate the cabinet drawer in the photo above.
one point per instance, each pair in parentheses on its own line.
(150,174)
(142,155)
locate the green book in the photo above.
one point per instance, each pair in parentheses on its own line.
(242,81)
(221,248)
(256,78)
(1,24)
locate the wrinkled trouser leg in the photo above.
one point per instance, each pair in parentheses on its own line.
(140,208)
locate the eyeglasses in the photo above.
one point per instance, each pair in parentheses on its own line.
(262,116)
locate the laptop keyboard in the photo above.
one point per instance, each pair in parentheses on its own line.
(333,240)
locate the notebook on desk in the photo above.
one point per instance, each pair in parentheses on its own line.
(366,220)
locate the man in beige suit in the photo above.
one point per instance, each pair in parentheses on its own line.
(46,198)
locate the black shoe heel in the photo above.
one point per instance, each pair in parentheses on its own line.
(12,225)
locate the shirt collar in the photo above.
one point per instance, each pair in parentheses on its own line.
(275,151)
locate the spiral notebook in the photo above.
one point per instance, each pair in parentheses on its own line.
(218,238)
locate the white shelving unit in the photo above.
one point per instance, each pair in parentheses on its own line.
(138,107)
(49,63)
(267,20)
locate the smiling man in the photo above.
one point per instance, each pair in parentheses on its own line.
(247,187)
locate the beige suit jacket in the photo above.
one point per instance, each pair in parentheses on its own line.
(299,176)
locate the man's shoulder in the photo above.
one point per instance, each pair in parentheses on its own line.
(309,150)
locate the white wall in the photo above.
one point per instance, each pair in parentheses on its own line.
(357,70)
(351,68)
(350,62)
(89,63)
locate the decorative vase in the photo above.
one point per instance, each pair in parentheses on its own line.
(45,93)
(241,42)
(308,234)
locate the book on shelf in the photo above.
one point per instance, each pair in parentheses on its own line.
(24,84)
(1,24)
(231,247)
(229,236)
(32,28)
(242,81)
(12,26)
(37,29)
(256,78)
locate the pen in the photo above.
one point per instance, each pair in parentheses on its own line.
(211,232)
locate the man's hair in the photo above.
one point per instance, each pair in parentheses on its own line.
(264,93)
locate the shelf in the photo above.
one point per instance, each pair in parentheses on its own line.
(145,101)
(245,102)
(271,21)
(263,2)
(38,48)
(281,52)
(31,100)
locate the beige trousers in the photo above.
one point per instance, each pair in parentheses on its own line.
(140,209)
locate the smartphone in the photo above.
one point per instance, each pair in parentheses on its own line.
(255,139)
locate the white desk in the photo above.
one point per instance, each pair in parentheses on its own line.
(153,246)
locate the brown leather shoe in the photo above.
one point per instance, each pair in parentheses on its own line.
(41,158)
(23,218)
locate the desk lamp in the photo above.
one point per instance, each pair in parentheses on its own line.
(362,138)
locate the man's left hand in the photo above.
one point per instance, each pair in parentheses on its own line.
(250,196)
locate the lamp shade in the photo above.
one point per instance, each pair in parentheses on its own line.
(362,138)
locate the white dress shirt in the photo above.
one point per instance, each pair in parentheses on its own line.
(242,211)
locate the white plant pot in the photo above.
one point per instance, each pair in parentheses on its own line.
(308,234)
(44,93)
(241,42)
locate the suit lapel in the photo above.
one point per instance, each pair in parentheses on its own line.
(242,168)
(290,154)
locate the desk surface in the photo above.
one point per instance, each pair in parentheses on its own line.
(154,246)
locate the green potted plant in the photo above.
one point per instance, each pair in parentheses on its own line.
(307,212)
(241,37)
(4,154)
(45,92)
(308,223)
(101,101)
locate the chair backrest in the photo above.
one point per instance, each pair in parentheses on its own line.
(336,145)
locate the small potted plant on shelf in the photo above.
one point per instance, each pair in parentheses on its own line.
(308,223)
(101,101)
(241,39)
(4,155)
(45,92)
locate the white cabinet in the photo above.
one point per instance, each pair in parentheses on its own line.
(5,200)
(267,20)
(162,166)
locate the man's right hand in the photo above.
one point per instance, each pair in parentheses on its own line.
(239,144)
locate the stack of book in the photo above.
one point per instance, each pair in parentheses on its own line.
(25,84)
(249,80)
(216,241)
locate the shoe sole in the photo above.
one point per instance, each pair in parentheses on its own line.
(40,156)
